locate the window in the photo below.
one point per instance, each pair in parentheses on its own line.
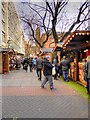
(3,24)
(3,36)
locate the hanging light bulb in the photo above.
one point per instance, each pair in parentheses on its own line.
(83,33)
(76,33)
(72,35)
(79,33)
(87,33)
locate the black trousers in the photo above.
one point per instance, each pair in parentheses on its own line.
(30,66)
(39,73)
(88,85)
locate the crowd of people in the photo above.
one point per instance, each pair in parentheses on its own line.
(54,70)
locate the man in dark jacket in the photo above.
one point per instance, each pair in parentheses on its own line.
(88,75)
(39,65)
(65,65)
(47,73)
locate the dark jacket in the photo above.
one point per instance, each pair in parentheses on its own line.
(88,69)
(30,61)
(65,64)
(39,63)
(47,68)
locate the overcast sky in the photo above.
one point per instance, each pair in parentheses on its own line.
(42,0)
(72,8)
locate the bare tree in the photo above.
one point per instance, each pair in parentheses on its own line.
(82,16)
(48,14)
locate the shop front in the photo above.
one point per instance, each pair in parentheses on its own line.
(77,48)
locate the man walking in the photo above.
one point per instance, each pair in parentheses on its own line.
(88,75)
(39,65)
(47,73)
(55,62)
(65,65)
(30,64)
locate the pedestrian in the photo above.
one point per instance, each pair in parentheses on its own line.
(47,71)
(39,65)
(26,66)
(26,62)
(88,75)
(55,62)
(65,64)
(30,64)
(22,62)
(84,69)
(34,63)
(17,64)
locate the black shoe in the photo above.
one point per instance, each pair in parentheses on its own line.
(39,79)
(51,87)
(42,86)
(67,80)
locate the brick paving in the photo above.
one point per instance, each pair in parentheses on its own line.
(22,97)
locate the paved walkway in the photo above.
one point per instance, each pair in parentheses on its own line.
(22,97)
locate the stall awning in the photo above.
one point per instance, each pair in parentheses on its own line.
(46,50)
(77,40)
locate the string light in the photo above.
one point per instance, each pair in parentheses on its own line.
(79,33)
(87,33)
(72,35)
(76,33)
(70,38)
(83,33)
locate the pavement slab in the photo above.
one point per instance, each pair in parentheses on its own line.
(22,97)
(44,107)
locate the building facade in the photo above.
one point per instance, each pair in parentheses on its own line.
(12,37)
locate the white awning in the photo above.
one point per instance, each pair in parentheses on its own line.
(46,50)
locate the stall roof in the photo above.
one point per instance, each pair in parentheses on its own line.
(77,40)
(46,50)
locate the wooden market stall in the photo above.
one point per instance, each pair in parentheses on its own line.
(77,46)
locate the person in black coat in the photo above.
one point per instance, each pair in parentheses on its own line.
(47,71)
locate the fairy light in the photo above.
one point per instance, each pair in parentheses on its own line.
(79,33)
(87,33)
(72,35)
(70,38)
(83,33)
(76,33)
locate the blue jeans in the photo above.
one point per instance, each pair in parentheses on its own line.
(65,74)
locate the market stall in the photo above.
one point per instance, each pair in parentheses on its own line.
(77,43)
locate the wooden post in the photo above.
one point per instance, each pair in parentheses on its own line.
(1,67)
(77,67)
(5,62)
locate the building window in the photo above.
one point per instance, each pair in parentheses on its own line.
(3,36)
(3,24)
(3,14)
